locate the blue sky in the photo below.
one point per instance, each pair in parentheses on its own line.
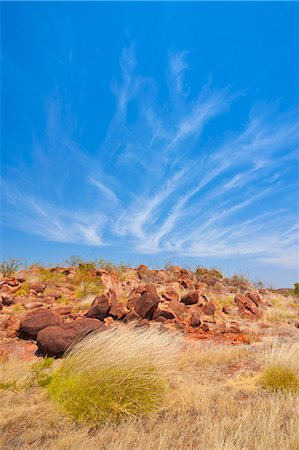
(144,132)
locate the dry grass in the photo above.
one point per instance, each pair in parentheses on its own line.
(215,402)
(282,309)
(224,300)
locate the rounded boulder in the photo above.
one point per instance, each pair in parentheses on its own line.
(37,320)
(55,340)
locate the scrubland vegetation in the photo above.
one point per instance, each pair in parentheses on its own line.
(216,368)
(143,389)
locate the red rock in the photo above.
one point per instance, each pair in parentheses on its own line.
(55,294)
(100,307)
(150,287)
(247,306)
(63,310)
(131,284)
(195,320)
(163,313)
(187,284)
(177,308)
(190,299)
(55,340)
(170,294)
(118,310)
(142,323)
(137,290)
(7,300)
(112,296)
(109,321)
(209,309)
(147,275)
(35,321)
(12,282)
(36,286)
(146,305)
(161,319)
(132,301)
(12,290)
(131,315)
(255,297)
(21,276)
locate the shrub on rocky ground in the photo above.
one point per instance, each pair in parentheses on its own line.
(9,267)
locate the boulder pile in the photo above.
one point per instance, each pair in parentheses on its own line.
(57,307)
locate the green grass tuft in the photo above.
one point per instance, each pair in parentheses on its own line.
(107,392)
(276,378)
(114,375)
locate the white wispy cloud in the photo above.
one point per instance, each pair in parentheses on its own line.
(156,184)
(104,189)
(49,222)
(178,66)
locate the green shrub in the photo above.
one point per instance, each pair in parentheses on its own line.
(279,378)
(74,261)
(296,289)
(113,375)
(103,264)
(9,267)
(240,278)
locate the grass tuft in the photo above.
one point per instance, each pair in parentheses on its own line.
(88,288)
(279,378)
(114,375)
(23,290)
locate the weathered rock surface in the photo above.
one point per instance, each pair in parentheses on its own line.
(55,340)
(146,305)
(195,320)
(209,309)
(248,304)
(35,321)
(36,286)
(100,307)
(190,299)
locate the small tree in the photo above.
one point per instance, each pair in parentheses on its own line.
(296,289)
(9,267)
